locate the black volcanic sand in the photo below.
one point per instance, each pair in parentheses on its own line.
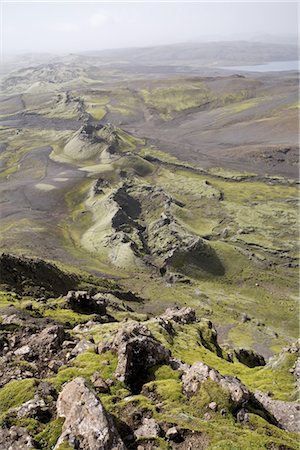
(20,194)
(33,120)
(262,138)
(33,213)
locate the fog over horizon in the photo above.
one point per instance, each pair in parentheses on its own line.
(68,27)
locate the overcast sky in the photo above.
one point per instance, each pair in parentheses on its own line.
(73,26)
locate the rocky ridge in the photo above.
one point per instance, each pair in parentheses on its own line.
(49,350)
(140,227)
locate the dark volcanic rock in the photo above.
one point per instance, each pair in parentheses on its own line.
(33,276)
(42,350)
(81,301)
(249,357)
(138,351)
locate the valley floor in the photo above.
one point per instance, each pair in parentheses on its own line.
(153,193)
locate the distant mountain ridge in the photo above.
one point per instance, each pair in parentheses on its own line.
(209,53)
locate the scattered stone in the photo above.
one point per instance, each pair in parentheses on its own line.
(149,428)
(99,383)
(173,434)
(54,365)
(68,344)
(15,438)
(225,233)
(213,406)
(177,364)
(87,424)
(85,327)
(11,319)
(242,416)
(293,348)
(245,318)
(46,389)
(22,351)
(35,408)
(172,278)
(49,340)
(43,351)
(83,346)
(207,416)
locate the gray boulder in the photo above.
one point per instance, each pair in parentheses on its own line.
(179,315)
(199,372)
(149,429)
(83,346)
(287,414)
(87,424)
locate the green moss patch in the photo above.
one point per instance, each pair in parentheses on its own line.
(15,393)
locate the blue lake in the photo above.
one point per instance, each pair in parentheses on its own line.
(274,66)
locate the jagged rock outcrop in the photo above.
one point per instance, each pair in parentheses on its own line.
(42,350)
(44,344)
(208,337)
(180,315)
(199,372)
(168,240)
(138,351)
(287,414)
(294,348)
(296,373)
(142,225)
(87,424)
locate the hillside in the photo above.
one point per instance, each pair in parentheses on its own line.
(149,273)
